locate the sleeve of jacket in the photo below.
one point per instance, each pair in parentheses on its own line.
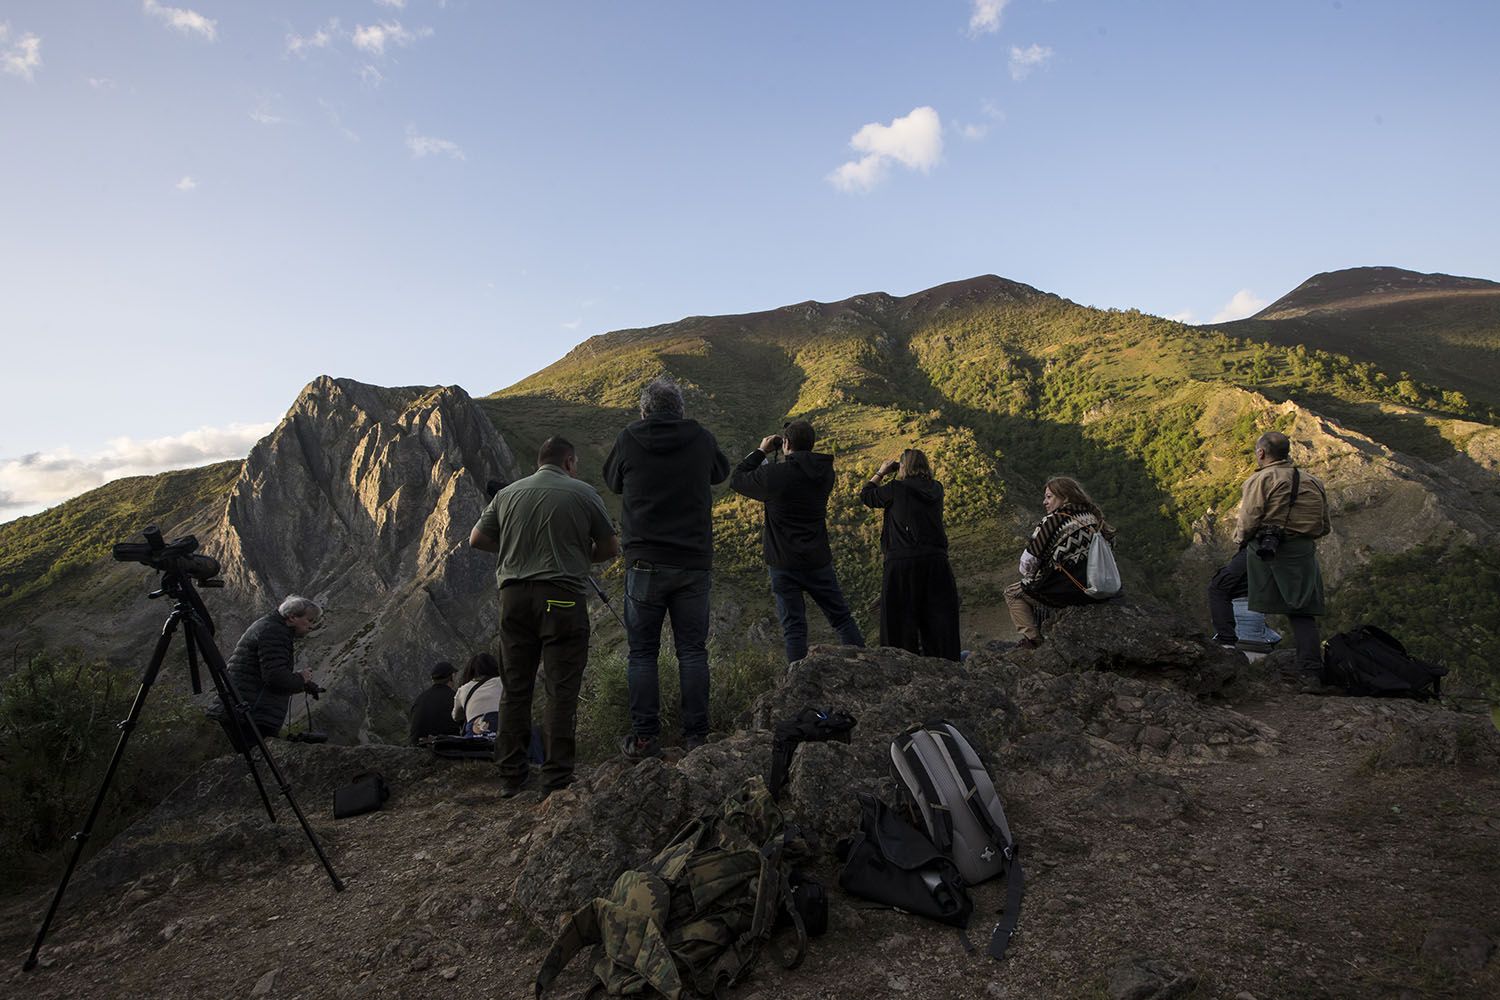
(614,468)
(751,476)
(878,497)
(275,660)
(720,470)
(1252,505)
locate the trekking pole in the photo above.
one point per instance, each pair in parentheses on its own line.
(598,589)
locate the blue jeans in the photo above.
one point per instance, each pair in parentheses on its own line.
(652,592)
(822,585)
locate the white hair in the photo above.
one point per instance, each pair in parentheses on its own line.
(300,607)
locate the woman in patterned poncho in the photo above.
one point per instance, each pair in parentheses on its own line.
(1054,565)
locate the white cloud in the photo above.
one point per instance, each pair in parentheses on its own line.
(985,18)
(1245,303)
(915,141)
(101,83)
(370,76)
(426,145)
(300,45)
(186,184)
(572,324)
(337,122)
(397,4)
(189,22)
(23,57)
(373,38)
(264,113)
(1023,61)
(39,480)
(973,131)
(1186,316)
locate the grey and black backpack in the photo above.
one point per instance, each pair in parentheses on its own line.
(953,797)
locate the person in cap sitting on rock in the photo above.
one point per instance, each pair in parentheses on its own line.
(476,706)
(432,712)
(1054,565)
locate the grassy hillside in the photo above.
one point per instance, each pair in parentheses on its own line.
(1002,385)
(1438,328)
(42,553)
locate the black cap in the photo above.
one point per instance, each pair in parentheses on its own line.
(442,671)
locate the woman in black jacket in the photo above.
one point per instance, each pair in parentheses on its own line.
(918,595)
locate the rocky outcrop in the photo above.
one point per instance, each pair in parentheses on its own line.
(362,498)
(1081,736)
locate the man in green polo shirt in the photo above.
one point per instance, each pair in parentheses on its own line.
(549,529)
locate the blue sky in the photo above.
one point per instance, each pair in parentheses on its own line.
(204,204)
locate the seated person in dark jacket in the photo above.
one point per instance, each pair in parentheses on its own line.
(260,669)
(795,536)
(918,595)
(432,713)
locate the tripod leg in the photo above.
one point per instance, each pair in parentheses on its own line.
(237,712)
(216,668)
(126,726)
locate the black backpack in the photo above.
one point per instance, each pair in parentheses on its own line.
(1369,662)
(892,862)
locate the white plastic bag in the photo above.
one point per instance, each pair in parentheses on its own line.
(1103,575)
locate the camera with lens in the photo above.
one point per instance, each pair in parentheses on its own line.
(1267,541)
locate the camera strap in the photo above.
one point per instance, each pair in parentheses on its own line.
(1296,488)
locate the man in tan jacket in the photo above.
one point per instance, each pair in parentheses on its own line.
(1283,510)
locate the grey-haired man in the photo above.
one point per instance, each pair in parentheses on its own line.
(663,466)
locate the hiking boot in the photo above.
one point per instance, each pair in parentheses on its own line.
(691,743)
(1028,643)
(640,747)
(546,791)
(510,789)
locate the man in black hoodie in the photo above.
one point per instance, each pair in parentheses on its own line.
(795,536)
(662,466)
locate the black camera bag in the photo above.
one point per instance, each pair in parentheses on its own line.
(810,900)
(892,862)
(365,793)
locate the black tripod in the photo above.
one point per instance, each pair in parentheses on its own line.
(179,567)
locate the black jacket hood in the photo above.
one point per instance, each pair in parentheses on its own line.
(660,435)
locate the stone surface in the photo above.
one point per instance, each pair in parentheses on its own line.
(1457,948)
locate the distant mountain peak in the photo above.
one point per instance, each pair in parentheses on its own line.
(1358,287)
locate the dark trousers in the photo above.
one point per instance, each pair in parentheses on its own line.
(541,625)
(1227,584)
(788,587)
(653,592)
(919,606)
(1309,644)
(239,742)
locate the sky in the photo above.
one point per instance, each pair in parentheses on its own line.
(205,204)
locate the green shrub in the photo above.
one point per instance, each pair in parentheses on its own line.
(58,730)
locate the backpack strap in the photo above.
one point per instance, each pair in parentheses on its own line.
(578,931)
(970,789)
(1015,887)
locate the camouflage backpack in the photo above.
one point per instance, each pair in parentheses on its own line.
(693,920)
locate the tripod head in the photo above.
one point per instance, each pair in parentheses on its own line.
(175,560)
(180,565)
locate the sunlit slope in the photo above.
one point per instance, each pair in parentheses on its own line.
(1438,328)
(1002,385)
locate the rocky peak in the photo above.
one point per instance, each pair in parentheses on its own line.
(362,498)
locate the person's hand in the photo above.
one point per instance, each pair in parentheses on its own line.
(770,443)
(890,468)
